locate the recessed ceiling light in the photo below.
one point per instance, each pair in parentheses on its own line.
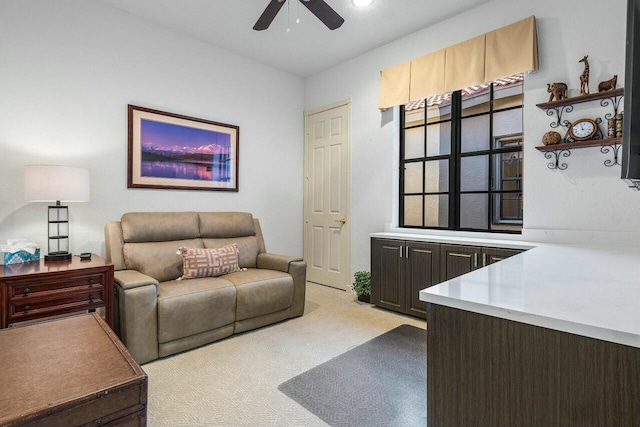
(362,3)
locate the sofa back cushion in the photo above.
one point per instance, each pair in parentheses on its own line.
(247,248)
(220,225)
(138,227)
(219,229)
(160,260)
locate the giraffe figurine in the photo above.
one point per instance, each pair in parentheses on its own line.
(584,77)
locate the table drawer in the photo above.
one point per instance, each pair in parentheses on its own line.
(51,287)
(25,308)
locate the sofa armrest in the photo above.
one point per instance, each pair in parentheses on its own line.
(137,296)
(294,266)
(129,279)
(275,262)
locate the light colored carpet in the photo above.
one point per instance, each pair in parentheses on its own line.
(234,382)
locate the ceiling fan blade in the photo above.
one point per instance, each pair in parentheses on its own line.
(324,12)
(268,15)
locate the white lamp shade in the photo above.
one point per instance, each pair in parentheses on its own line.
(48,183)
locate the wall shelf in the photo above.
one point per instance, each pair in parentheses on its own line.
(556,151)
(558,108)
(580,99)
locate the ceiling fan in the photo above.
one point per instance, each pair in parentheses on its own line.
(320,8)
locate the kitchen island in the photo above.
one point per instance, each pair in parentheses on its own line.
(549,337)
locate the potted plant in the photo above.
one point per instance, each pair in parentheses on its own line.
(362,285)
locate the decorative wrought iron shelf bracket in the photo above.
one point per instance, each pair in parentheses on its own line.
(555,164)
(615,148)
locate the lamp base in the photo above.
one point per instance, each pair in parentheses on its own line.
(58,256)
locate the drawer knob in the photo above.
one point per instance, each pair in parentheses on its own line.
(90,297)
(26,290)
(27,307)
(91,282)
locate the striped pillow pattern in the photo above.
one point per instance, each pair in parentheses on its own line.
(199,262)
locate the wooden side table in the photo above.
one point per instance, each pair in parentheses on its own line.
(39,289)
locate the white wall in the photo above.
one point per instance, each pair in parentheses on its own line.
(585,203)
(68,69)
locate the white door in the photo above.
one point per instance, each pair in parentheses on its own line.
(327,236)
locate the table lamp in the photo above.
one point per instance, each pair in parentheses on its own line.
(48,183)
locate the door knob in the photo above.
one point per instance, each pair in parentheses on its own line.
(341,220)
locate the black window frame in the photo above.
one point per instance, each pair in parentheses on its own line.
(454,158)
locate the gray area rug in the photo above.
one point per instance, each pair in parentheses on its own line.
(382,382)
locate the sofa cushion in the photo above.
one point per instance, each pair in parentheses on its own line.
(261,292)
(157,259)
(189,307)
(159,226)
(248,248)
(202,262)
(220,225)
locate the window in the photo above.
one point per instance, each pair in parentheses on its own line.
(461,159)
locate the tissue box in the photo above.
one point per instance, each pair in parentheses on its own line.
(20,256)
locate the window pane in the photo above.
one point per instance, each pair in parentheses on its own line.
(440,112)
(507,96)
(507,123)
(510,141)
(474,211)
(439,139)
(508,171)
(507,212)
(413,177)
(413,116)
(413,211)
(475,134)
(474,173)
(475,102)
(414,143)
(436,211)
(436,176)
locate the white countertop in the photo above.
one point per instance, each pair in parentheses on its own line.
(457,240)
(589,291)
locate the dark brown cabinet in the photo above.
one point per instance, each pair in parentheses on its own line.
(457,260)
(400,269)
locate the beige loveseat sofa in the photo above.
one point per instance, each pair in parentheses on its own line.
(157,315)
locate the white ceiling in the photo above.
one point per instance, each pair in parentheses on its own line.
(309,47)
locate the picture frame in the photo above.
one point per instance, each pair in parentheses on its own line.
(172,151)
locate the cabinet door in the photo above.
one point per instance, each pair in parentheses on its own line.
(456,260)
(422,271)
(491,255)
(387,274)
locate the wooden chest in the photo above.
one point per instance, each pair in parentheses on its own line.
(69,372)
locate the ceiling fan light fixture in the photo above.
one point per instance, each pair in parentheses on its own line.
(362,3)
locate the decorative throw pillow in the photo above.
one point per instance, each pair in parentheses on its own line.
(199,262)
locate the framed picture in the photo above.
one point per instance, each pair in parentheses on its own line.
(179,152)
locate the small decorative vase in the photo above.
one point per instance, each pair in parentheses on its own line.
(364,298)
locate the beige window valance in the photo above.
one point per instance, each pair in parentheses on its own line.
(503,52)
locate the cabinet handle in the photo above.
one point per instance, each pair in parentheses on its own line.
(406,251)
(27,307)
(26,290)
(401,250)
(475,260)
(484,260)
